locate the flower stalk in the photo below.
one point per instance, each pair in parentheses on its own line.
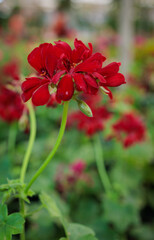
(54,150)
(31,141)
(98,150)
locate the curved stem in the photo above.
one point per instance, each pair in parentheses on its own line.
(100,164)
(31,141)
(50,156)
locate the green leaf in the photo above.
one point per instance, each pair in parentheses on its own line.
(116,210)
(3,212)
(10,224)
(88,237)
(15,223)
(50,205)
(80,232)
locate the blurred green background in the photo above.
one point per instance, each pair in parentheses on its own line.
(123,31)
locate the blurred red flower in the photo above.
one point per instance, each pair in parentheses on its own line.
(11,106)
(93,124)
(11,69)
(130,129)
(78,167)
(67,178)
(68,70)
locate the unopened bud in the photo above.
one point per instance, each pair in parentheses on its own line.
(84,108)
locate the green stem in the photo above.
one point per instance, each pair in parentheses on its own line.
(100,164)
(31,141)
(22,211)
(52,153)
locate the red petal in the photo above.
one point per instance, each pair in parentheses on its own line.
(91,81)
(92,64)
(32,82)
(80,83)
(99,76)
(35,60)
(51,61)
(110,69)
(63,48)
(81,51)
(57,76)
(115,81)
(91,90)
(28,94)
(65,88)
(91,48)
(44,48)
(41,96)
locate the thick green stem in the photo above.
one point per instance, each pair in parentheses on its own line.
(31,141)
(22,211)
(50,156)
(100,164)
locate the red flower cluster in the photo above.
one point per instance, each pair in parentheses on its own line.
(67,180)
(65,70)
(11,69)
(78,167)
(132,127)
(11,106)
(93,124)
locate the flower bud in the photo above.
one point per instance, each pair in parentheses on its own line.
(84,108)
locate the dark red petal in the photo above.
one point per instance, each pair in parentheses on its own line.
(91,90)
(33,82)
(30,83)
(115,81)
(92,64)
(91,81)
(28,94)
(65,88)
(44,48)
(51,61)
(57,76)
(35,59)
(80,82)
(91,48)
(81,51)
(100,77)
(64,48)
(110,69)
(41,96)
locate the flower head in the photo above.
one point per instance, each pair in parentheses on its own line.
(132,127)
(67,72)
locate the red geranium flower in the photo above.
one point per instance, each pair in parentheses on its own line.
(11,106)
(132,127)
(11,69)
(67,70)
